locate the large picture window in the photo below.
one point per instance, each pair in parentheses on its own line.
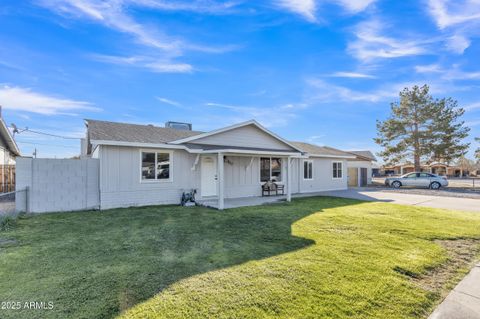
(308,170)
(155,166)
(270,169)
(337,170)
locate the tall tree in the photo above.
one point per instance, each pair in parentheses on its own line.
(477,152)
(422,128)
(466,164)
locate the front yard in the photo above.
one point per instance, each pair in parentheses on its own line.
(312,258)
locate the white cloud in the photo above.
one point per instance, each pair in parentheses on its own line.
(167,67)
(308,8)
(168,101)
(316,139)
(24,99)
(430,68)
(305,8)
(114,14)
(451,13)
(457,43)
(150,63)
(355,6)
(200,6)
(471,107)
(321,91)
(261,114)
(451,73)
(472,123)
(354,75)
(370,44)
(459,20)
(326,92)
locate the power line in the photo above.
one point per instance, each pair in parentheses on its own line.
(55,145)
(26,129)
(54,135)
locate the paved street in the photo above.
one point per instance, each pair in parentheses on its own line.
(373,194)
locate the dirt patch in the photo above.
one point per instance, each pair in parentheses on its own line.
(462,254)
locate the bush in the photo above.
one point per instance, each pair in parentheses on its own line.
(7,222)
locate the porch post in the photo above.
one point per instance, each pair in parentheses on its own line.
(289,179)
(220,182)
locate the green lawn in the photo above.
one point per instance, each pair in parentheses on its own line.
(312,258)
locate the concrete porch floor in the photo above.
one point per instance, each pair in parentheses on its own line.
(243,201)
(254,200)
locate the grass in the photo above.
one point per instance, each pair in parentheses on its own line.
(312,258)
(8,221)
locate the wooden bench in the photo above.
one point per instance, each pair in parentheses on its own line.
(271,187)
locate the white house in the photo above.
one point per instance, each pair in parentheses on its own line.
(8,148)
(150,165)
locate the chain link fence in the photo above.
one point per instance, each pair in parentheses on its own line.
(7,201)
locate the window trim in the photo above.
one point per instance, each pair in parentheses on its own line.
(170,172)
(337,169)
(309,161)
(282,169)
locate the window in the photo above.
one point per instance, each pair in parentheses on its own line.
(412,175)
(424,175)
(307,169)
(270,169)
(155,166)
(337,170)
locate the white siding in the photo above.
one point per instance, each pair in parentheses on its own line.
(242,179)
(365,164)
(322,176)
(241,182)
(245,136)
(121,185)
(6,158)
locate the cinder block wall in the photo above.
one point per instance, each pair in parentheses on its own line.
(57,184)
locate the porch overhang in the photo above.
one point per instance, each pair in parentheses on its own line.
(236,152)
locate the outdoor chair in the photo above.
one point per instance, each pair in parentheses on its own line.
(271,188)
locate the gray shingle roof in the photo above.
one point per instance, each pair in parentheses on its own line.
(319,150)
(366,154)
(124,132)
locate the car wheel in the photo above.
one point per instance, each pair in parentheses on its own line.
(435,185)
(396,184)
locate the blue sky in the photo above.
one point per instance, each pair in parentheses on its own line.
(316,71)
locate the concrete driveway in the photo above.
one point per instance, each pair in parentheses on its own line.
(373,194)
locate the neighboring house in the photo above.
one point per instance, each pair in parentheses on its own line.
(8,148)
(360,168)
(150,165)
(438,168)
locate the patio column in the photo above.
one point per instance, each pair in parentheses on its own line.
(289,180)
(220,182)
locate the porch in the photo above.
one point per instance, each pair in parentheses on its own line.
(265,200)
(233,178)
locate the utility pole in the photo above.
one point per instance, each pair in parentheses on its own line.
(35,153)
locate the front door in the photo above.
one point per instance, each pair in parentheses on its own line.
(209,176)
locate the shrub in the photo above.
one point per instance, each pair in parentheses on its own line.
(7,222)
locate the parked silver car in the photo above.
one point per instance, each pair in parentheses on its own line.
(417,180)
